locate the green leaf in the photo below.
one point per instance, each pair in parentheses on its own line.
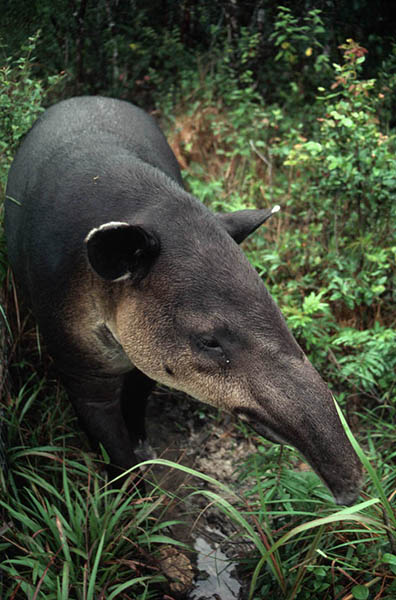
(390,559)
(360,592)
(92,577)
(347,122)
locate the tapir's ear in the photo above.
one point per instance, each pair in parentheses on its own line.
(241,223)
(120,250)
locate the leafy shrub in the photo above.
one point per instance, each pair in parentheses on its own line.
(350,168)
(369,359)
(300,44)
(22,97)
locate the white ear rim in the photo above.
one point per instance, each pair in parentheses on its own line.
(109,225)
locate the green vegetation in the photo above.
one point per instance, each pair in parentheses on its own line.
(312,134)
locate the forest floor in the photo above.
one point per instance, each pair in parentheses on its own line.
(212,444)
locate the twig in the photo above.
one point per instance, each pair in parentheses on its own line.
(369,584)
(391,539)
(265,161)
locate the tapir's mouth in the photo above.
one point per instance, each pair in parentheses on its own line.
(347,497)
(263,430)
(268,433)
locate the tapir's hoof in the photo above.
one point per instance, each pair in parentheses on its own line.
(144,451)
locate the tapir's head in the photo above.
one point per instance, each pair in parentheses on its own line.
(192,313)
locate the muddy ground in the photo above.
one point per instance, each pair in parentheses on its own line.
(182,430)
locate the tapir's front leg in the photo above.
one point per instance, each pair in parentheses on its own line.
(97,402)
(135,391)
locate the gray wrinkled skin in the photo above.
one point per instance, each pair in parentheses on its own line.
(132,281)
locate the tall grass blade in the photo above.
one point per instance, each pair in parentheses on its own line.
(370,470)
(345,514)
(92,577)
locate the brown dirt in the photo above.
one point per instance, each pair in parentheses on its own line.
(211,444)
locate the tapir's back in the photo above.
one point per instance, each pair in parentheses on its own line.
(83,159)
(87,118)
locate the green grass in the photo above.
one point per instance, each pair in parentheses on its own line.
(326,551)
(66,533)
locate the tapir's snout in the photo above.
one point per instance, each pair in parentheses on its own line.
(332,457)
(348,496)
(301,412)
(339,468)
(346,488)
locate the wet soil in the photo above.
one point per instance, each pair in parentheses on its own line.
(181,430)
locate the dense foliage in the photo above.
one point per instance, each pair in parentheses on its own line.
(264,104)
(142,50)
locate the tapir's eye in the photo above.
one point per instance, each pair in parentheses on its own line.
(208,344)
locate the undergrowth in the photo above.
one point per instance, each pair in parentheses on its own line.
(329,260)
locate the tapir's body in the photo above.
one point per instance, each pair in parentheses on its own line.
(132,280)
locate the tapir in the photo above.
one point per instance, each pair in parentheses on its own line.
(133,281)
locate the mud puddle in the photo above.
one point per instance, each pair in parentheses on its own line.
(216,575)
